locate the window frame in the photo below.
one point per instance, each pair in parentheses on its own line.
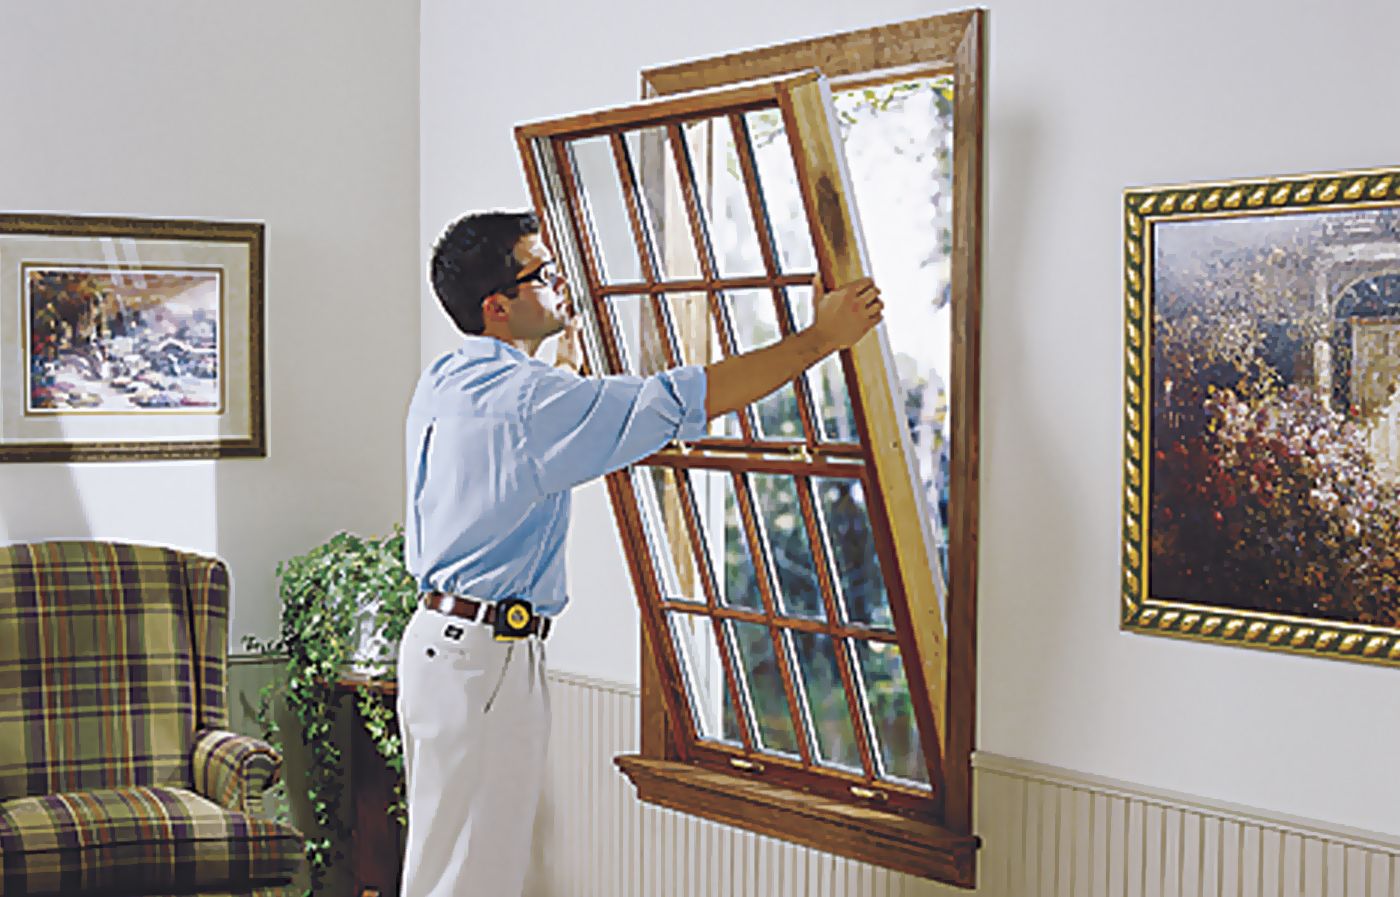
(949,44)
(938,845)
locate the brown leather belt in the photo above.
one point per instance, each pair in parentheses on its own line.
(470,609)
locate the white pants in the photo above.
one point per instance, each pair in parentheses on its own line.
(474,714)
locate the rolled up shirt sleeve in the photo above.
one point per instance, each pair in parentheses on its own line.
(579,428)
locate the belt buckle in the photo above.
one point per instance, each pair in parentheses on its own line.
(513,617)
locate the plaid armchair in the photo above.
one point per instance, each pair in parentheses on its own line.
(116,773)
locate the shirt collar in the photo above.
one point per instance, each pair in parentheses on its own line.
(478,344)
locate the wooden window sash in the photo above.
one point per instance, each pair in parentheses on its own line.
(926,721)
(750,453)
(803,726)
(860,721)
(941,45)
(803,730)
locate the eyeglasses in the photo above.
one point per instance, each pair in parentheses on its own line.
(545,275)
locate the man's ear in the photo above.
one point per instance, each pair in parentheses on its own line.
(493,308)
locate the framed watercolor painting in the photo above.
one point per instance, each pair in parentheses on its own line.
(126,339)
(1262,418)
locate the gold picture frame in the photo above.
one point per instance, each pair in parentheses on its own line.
(130,339)
(1262,413)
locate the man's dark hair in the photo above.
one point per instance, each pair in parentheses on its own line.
(474,258)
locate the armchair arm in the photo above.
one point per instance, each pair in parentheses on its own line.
(234,770)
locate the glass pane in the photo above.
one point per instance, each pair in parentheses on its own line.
(799,590)
(826,700)
(733,728)
(695,327)
(694,637)
(663,203)
(755,325)
(640,333)
(891,711)
(723,197)
(841,503)
(596,171)
(765,684)
(781,194)
(724,534)
(659,502)
(700,344)
(899,149)
(827,379)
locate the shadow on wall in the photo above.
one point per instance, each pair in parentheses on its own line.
(40,503)
(1018,418)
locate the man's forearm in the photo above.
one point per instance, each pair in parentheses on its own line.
(741,380)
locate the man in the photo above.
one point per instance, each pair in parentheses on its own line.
(495,441)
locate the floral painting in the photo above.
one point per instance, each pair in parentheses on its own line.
(1264,361)
(120,340)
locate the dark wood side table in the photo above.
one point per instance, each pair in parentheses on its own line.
(375,854)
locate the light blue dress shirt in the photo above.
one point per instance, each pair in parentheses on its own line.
(495,442)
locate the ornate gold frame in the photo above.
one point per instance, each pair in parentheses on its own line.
(1140,612)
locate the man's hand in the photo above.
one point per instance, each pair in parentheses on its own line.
(842,317)
(569,351)
(846,314)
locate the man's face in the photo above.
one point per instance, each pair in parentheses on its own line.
(541,308)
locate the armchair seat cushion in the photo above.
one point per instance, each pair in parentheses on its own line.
(141,840)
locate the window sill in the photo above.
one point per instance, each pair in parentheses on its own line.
(872,836)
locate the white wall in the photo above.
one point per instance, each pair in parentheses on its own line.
(303,115)
(1085,98)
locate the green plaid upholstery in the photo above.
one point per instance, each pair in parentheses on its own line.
(207,581)
(96,674)
(116,777)
(234,769)
(138,841)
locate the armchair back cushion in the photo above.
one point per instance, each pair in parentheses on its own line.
(111,656)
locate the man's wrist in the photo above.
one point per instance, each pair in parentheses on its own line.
(813,344)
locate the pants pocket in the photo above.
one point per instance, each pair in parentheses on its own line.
(442,675)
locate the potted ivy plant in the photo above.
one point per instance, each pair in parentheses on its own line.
(345,604)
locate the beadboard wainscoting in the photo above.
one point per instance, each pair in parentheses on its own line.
(1047,833)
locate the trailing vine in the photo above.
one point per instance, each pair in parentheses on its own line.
(347,593)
